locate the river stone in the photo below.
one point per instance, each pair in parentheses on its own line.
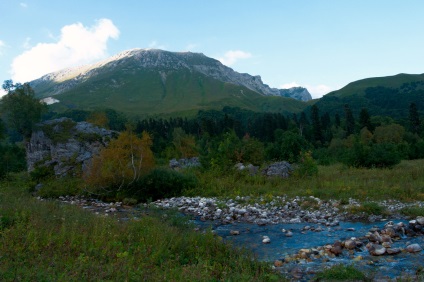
(390,232)
(336,248)
(266,240)
(420,220)
(377,250)
(278,263)
(349,244)
(414,248)
(386,238)
(289,234)
(393,251)
(235,232)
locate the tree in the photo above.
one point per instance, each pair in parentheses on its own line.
(20,108)
(350,121)
(365,119)
(414,119)
(121,163)
(184,144)
(316,125)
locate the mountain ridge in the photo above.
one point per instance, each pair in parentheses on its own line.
(165,61)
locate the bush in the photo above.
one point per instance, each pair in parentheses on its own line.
(341,273)
(12,159)
(384,155)
(55,188)
(306,166)
(370,208)
(161,183)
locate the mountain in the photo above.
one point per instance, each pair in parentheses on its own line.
(146,82)
(386,96)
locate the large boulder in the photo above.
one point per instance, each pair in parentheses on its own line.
(281,169)
(65,145)
(184,163)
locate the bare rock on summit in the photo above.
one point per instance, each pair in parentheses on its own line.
(65,145)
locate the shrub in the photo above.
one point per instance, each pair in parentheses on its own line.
(55,188)
(341,273)
(306,166)
(384,155)
(369,208)
(161,183)
(41,173)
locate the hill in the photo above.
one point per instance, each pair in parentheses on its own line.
(389,96)
(150,82)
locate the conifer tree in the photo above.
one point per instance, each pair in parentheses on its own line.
(414,118)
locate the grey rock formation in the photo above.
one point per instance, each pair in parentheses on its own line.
(298,93)
(164,62)
(281,169)
(65,145)
(184,163)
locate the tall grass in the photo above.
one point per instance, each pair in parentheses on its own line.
(404,182)
(49,241)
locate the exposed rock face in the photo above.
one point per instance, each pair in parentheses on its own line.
(298,93)
(184,163)
(65,145)
(165,62)
(282,169)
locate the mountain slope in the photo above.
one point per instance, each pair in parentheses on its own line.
(389,96)
(155,82)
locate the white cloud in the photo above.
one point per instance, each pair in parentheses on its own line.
(155,45)
(23,5)
(232,56)
(317,91)
(76,45)
(289,85)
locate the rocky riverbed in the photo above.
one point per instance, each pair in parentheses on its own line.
(300,235)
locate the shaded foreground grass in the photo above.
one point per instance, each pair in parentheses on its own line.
(49,241)
(405,182)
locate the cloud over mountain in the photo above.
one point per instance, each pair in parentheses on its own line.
(76,45)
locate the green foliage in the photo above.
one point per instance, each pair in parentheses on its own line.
(59,132)
(41,173)
(12,159)
(341,272)
(161,183)
(287,146)
(306,165)
(22,110)
(382,155)
(369,208)
(412,211)
(54,188)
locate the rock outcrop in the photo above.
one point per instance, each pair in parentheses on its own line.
(65,145)
(281,169)
(184,163)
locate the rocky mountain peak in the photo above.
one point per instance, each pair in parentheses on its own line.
(163,62)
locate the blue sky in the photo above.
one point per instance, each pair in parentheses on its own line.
(319,44)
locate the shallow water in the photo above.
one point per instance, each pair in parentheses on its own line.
(382,266)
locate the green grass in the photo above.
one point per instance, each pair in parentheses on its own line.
(49,241)
(341,273)
(413,211)
(405,182)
